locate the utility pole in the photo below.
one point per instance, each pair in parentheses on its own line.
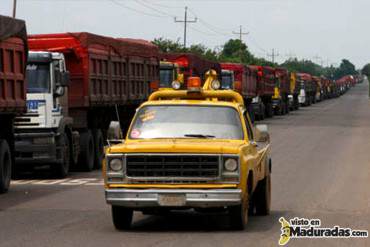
(14,8)
(240,33)
(273,55)
(186,21)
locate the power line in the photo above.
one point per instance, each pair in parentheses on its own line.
(162,5)
(152,8)
(186,21)
(135,10)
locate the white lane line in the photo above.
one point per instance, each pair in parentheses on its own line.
(63,182)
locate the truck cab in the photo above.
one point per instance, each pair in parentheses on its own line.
(227,79)
(41,133)
(189,149)
(169,73)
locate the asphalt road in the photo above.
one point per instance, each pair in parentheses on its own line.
(321,169)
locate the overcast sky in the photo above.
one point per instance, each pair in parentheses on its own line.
(324,31)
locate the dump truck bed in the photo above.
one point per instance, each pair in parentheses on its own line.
(104,70)
(13,56)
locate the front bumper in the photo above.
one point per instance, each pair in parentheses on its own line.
(191,198)
(29,152)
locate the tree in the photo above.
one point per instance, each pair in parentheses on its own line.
(345,68)
(167,45)
(236,51)
(366,70)
(304,66)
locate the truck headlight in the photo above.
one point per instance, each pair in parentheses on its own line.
(116,165)
(231,165)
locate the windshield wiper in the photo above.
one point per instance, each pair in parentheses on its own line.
(199,136)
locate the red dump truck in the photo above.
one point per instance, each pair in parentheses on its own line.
(262,103)
(280,99)
(78,84)
(13,57)
(307,90)
(191,65)
(243,79)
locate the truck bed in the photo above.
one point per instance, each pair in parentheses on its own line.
(104,71)
(13,54)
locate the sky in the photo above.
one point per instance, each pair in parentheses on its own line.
(324,31)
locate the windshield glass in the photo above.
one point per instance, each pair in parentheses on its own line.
(167,121)
(227,81)
(38,78)
(166,78)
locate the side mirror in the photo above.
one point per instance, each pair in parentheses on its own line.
(262,134)
(115,134)
(62,78)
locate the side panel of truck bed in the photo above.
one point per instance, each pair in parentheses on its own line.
(12,82)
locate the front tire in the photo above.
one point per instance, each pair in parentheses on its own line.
(238,217)
(87,154)
(122,217)
(5,166)
(62,168)
(99,148)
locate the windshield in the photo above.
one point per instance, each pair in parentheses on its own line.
(227,81)
(166,121)
(166,78)
(38,77)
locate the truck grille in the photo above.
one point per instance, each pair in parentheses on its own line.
(172,166)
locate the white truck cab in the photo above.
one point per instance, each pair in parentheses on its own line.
(43,135)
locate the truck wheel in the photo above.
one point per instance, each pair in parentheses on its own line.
(5,166)
(122,217)
(238,217)
(99,148)
(269,110)
(263,112)
(263,196)
(87,154)
(62,168)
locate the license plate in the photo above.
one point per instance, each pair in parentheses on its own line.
(172,200)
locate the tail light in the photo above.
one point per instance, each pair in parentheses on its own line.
(260,73)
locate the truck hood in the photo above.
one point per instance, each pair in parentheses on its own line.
(178,146)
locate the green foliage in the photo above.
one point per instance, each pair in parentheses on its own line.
(236,51)
(366,70)
(345,68)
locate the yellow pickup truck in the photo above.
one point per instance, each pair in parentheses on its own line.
(189,149)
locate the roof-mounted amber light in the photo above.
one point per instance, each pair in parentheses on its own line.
(194,84)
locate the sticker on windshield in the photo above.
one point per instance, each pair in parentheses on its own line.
(135,133)
(147,116)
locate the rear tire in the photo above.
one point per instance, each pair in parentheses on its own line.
(99,148)
(5,166)
(62,169)
(263,196)
(87,154)
(122,217)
